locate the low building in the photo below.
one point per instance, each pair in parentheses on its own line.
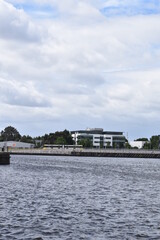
(137,144)
(14,144)
(100,138)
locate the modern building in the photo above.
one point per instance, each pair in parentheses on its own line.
(100,138)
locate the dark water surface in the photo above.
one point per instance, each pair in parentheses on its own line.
(79,198)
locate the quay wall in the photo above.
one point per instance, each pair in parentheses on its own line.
(119,153)
(4,158)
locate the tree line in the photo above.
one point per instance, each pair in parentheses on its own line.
(12,134)
(64,138)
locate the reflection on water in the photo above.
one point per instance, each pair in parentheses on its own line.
(79,198)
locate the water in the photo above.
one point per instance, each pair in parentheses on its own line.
(65,198)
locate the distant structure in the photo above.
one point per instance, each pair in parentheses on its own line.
(59,146)
(100,138)
(137,144)
(15,145)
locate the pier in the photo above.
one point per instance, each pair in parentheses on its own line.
(4,158)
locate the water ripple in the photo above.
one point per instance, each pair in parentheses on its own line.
(44,198)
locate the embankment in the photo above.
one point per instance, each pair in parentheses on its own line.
(119,153)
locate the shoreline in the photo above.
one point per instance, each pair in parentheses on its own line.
(117,153)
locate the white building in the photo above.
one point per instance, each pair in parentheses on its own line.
(137,144)
(100,138)
(14,144)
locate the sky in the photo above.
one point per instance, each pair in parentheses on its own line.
(74,64)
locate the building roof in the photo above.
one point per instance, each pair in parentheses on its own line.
(97,131)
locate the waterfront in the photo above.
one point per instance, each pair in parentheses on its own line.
(90,152)
(79,198)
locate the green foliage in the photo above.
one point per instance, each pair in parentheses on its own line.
(142,139)
(62,138)
(60,141)
(101,144)
(65,135)
(147,145)
(126,140)
(1,139)
(127,145)
(118,145)
(48,138)
(27,139)
(154,140)
(153,143)
(85,142)
(108,145)
(10,134)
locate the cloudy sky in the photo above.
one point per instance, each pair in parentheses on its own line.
(72,64)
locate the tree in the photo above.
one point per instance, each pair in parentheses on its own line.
(48,138)
(54,138)
(60,141)
(10,134)
(108,144)
(127,145)
(85,142)
(147,145)
(142,139)
(154,140)
(67,136)
(27,139)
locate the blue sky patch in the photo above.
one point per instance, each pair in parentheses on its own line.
(37,10)
(116,11)
(144,7)
(126,8)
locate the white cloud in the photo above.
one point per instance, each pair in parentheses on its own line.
(80,65)
(16,25)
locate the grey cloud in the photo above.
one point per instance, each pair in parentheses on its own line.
(16,25)
(19,94)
